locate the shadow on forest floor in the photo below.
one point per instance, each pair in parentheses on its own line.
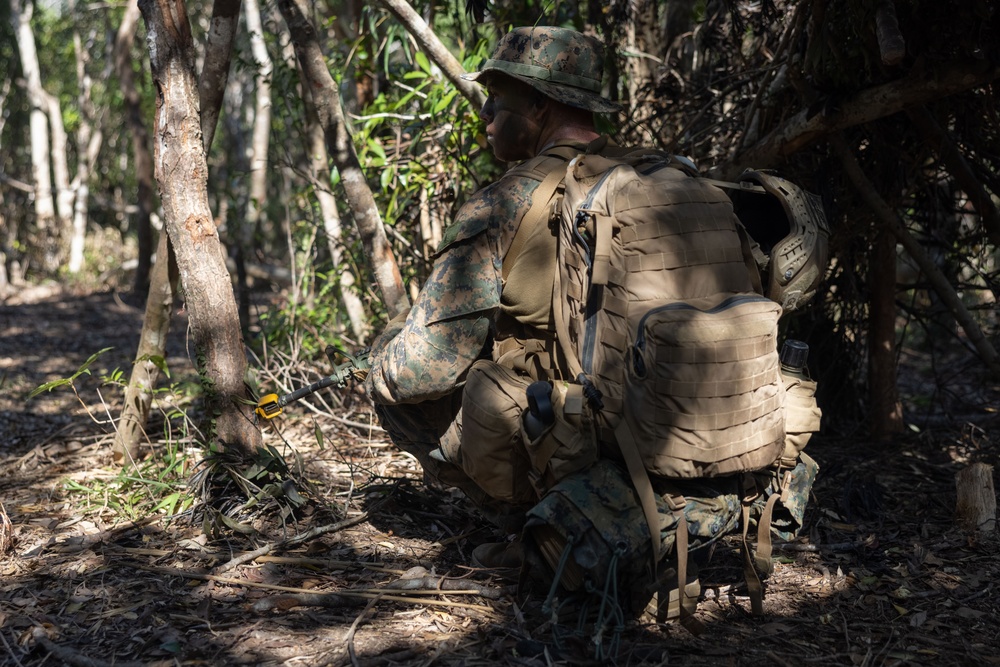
(882,576)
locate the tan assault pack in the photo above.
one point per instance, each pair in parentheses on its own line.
(662,326)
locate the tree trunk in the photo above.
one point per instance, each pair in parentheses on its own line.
(60,175)
(182,174)
(143,161)
(319,173)
(88,145)
(976,505)
(259,146)
(41,167)
(323,89)
(160,287)
(886,414)
(215,70)
(262,115)
(149,358)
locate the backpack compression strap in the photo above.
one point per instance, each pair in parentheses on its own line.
(647,499)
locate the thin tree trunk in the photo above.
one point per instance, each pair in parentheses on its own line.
(182,174)
(88,143)
(45,206)
(160,286)
(886,415)
(260,142)
(323,89)
(156,323)
(215,70)
(143,161)
(940,284)
(262,114)
(90,147)
(149,358)
(61,180)
(320,175)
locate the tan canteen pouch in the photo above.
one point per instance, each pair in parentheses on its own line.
(496,451)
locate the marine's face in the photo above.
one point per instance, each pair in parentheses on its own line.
(512,117)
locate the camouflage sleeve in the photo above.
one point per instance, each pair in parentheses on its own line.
(448,326)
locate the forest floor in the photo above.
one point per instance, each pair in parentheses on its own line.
(94,576)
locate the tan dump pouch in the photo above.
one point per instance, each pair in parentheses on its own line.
(492,453)
(802,416)
(703,393)
(568,445)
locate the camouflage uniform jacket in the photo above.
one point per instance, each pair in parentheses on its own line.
(448,328)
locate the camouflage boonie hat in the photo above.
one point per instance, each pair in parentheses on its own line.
(560,63)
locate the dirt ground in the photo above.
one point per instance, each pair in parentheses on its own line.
(882,575)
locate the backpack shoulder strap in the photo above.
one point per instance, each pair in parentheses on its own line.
(539,204)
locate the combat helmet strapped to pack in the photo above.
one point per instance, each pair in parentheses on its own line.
(790,228)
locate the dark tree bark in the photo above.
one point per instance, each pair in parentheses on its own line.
(142,160)
(323,89)
(886,415)
(939,141)
(182,174)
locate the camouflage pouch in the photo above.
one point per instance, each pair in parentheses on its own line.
(588,536)
(792,488)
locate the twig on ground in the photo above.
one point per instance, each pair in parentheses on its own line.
(10,651)
(373,427)
(84,542)
(837,546)
(291,541)
(292,600)
(444,584)
(327,563)
(354,628)
(367,593)
(70,656)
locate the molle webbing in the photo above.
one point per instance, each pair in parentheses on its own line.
(657,300)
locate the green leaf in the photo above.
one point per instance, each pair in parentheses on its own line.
(238,526)
(422,61)
(84,369)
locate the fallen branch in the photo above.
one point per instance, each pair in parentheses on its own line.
(291,541)
(292,600)
(815,548)
(304,561)
(444,584)
(365,593)
(807,126)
